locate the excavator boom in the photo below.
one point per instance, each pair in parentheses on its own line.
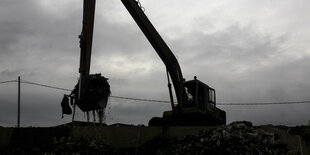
(196,100)
(160,47)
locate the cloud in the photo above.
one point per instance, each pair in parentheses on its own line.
(257,57)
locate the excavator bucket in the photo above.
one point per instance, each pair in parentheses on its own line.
(95,95)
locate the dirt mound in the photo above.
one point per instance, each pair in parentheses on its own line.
(235,138)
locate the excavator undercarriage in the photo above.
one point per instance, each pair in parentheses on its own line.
(199,110)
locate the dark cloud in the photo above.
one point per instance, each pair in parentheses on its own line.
(235,45)
(10,73)
(7,37)
(118,38)
(240,62)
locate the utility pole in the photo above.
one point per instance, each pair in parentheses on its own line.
(18,104)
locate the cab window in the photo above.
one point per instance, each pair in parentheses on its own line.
(211,96)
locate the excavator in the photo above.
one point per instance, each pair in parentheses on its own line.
(196,101)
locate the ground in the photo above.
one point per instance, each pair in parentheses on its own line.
(235,138)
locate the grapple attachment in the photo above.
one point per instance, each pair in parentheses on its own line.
(95,95)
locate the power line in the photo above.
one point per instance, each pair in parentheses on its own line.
(3,82)
(225,104)
(119,97)
(162,101)
(47,86)
(139,99)
(263,103)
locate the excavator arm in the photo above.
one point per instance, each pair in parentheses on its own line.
(92,90)
(160,47)
(86,39)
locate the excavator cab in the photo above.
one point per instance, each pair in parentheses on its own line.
(200,95)
(199,109)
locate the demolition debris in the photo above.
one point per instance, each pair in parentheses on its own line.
(235,138)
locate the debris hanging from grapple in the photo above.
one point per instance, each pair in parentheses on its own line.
(95,95)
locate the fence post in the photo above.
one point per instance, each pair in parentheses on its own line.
(18,104)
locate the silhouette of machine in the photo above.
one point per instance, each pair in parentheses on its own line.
(196,102)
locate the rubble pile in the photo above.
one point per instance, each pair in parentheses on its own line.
(235,138)
(303,131)
(63,145)
(72,146)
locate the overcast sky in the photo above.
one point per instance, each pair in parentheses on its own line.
(249,51)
